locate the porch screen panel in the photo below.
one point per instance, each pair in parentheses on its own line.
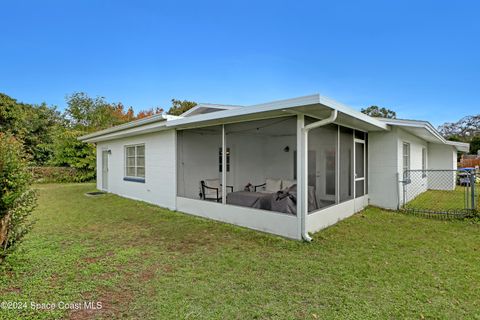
(346,164)
(261,163)
(323,142)
(198,160)
(359,188)
(360,160)
(366,163)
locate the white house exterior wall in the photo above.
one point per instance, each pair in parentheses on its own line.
(383,169)
(386,166)
(442,157)
(419,183)
(159,187)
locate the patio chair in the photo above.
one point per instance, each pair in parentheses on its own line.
(212,189)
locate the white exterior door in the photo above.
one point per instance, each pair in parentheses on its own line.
(105,170)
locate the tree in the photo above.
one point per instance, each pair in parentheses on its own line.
(375,111)
(17,199)
(83,115)
(179,107)
(475,145)
(149,112)
(70,152)
(464,130)
(42,122)
(12,116)
(33,125)
(91,114)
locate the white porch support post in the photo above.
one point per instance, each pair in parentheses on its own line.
(224,166)
(301,172)
(304,164)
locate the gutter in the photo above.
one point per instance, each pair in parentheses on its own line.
(305,131)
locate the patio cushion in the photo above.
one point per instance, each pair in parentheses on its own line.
(212,183)
(273,185)
(288,183)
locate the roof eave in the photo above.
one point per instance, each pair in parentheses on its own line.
(132,124)
(460,146)
(264,109)
(276,106)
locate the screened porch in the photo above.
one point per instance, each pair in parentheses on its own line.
(259,167)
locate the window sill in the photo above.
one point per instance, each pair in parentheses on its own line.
(132,179)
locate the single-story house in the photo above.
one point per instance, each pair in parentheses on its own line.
(286,167)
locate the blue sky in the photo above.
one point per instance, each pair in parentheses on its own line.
(420,58)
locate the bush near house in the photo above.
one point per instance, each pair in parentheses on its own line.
(17,199)
(59,174)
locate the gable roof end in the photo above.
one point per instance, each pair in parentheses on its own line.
(207,108)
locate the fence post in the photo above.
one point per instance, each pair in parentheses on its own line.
(472,189)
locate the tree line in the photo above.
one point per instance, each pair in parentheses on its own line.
(49,137)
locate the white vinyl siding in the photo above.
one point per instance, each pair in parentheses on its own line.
(135,161)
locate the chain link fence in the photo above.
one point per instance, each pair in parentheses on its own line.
(440,193)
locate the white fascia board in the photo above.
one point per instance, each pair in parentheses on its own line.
(135,131)
(264,107)
(160,122)
(415,124)
(351,112)
(158,118)
(276,106)
(460,146)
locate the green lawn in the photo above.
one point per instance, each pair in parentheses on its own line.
(444,200)
(143,262)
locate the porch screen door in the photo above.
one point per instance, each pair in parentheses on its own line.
(359,168)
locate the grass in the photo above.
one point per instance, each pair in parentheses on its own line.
(144,262)
(444,200)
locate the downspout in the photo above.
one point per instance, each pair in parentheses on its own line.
(305,130)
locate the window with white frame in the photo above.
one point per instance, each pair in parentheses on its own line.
(220,159)
(424,162)
(135,161)
(406,161)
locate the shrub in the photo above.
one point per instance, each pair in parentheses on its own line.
(70,152)
(17,199)
(60,174)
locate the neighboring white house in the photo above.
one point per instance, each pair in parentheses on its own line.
(329,160)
